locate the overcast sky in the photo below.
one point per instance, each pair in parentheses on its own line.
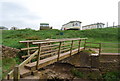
(30,13)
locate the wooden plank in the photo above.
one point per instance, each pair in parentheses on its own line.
(65,49)
(92,42)
(30,41)
(28,48)
(48,48)
(62,40)
(38,57)
(49,45)
(59,51)
(10,75)
(44,55)
(99,48)
(79,46)
(28,45)
(71,47)
(91,47)
(49,60)
(110,54)
(16,73)
(85,44)
(48,51)
(28,59)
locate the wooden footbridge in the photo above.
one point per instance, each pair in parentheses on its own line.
(41,53)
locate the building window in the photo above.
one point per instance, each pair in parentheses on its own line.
(76,24)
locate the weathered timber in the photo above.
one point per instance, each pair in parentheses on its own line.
(38,57)
(16,73)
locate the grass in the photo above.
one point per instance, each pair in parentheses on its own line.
(8,64)
(11,38)
(112,76)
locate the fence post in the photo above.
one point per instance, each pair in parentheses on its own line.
(99,48)
(38,57)
(71,48)
(85,44)
(28,46)
(59,51)
(79,46)
(16,73)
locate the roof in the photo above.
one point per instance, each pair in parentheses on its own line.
(94,24)
(44,23)
(75,21)
(71,22)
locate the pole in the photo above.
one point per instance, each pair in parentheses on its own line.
(16,73)
(38,57)
(71,48)
(59,51)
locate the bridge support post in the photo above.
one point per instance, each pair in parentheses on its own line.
(16,74)
(99,48)
(85,44)
(28,46)
(38,57)
(79,46)
(71,48)
(59,51)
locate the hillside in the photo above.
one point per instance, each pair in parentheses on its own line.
(12,37)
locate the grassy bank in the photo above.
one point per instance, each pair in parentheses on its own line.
(12,37)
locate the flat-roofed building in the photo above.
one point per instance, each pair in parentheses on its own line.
(44,26)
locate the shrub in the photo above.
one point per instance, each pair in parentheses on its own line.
(112,76)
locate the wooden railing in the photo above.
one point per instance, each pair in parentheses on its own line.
(47,48)
(94,46)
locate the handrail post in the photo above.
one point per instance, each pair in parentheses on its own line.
(16,73)
(28,46)
(85,44)
(99,48)
(59,51)
(79,46)
(71,48)
(38,57)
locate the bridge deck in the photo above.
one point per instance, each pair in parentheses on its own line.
(50,60)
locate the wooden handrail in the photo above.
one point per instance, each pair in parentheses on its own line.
(59,40)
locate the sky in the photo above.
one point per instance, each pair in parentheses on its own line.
(30,13)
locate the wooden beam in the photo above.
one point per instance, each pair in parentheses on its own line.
(71,48)
(28,45)
(59,51)
(28,59)
(16,73)
(38,57)
(61,40)
(99,48)
(85,44)
(79,46)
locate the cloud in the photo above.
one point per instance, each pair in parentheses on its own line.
(14,14)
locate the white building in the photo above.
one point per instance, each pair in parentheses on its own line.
(72,25)
(93,26)
(14,28)
(3,28)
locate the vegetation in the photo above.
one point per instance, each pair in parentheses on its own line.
(112,76)
(8,64)
(12,37)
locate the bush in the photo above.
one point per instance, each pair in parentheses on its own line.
(112,76)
